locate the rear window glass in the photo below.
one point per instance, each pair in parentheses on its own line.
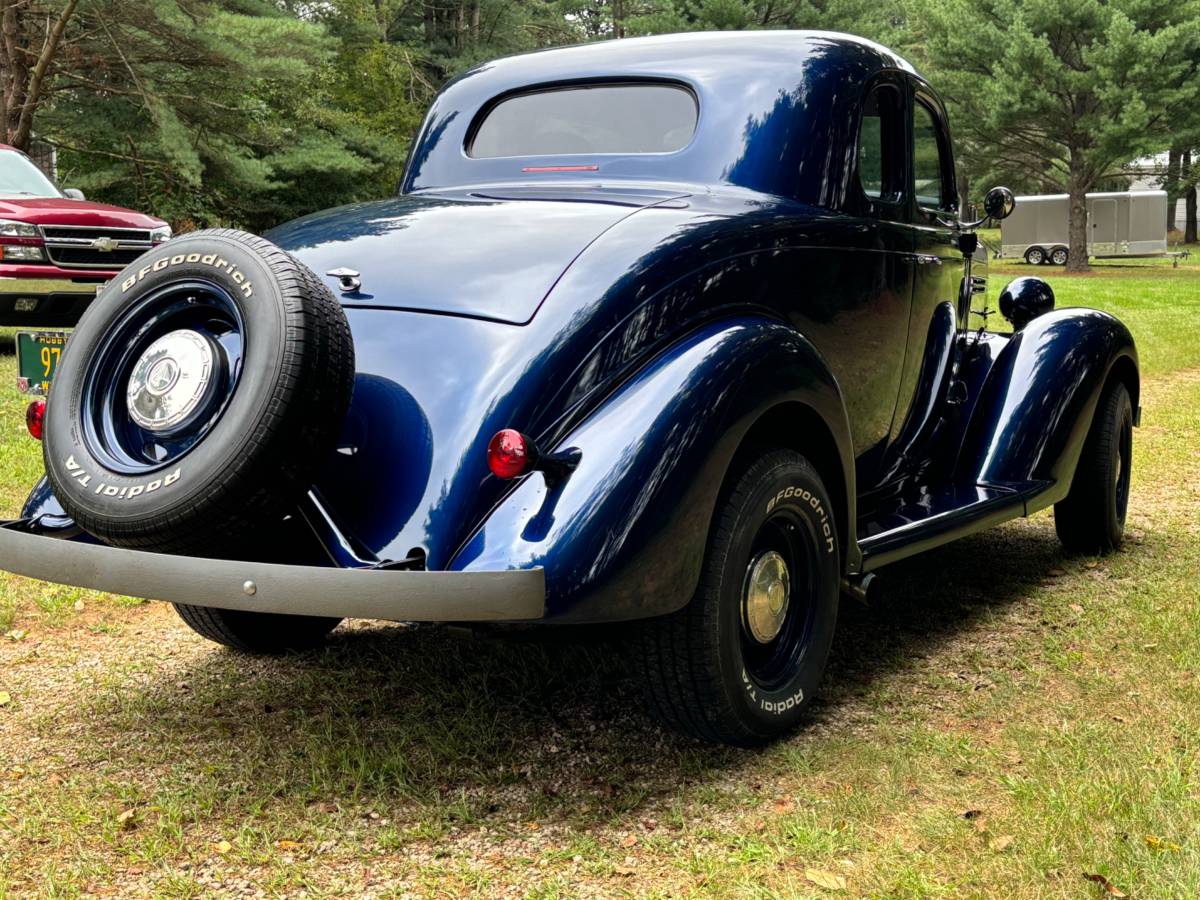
(624,118)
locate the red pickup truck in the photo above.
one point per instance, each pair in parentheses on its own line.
(57,249)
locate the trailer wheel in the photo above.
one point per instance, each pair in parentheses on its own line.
(1059,256)
(1035,256)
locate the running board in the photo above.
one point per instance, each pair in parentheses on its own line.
(937,518)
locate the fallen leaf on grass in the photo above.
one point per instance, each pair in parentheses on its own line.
(287,845)
(629,840)
(15,635)
(827,880)
(1111,889)
(127,820)
(223,847)
(5,698)
(1157,843)
(1002,843)
(784,805)
(1076,608)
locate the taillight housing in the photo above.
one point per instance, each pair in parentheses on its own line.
(35,418)
(510,454)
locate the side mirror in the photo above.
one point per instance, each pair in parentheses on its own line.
(999,203)
(1024,299)
(74,194)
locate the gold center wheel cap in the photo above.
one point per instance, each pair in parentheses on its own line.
(765,602)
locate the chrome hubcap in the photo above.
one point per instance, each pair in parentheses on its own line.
(169,380)
(765,602)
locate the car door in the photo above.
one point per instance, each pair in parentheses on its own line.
(937,280)
(871,275)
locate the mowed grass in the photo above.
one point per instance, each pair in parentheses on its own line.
(1007,722)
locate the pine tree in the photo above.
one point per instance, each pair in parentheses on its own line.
(1075,89)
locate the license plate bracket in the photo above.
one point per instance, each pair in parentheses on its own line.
(38,354)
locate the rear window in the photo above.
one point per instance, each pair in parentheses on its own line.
(611,118)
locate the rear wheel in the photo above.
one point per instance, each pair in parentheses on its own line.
(1092,517)
(255,632)
(1059,256)
(1035,256)
(740,663)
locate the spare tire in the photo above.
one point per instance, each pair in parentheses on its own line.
(198,395)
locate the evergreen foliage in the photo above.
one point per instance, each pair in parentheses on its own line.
(250,112)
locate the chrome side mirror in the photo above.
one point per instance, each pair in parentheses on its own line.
(998,203)
(74,194)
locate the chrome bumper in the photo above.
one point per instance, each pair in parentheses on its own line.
(38,287)
(402,596)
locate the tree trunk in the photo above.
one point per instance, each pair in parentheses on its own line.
(1078,225)
(22,86)
(430,23)
(1171,186)
(16,68)
(1188,178)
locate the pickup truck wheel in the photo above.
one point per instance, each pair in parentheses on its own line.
(740,663)
(1092,517)
(255,632)
(198,396)
(1035,256)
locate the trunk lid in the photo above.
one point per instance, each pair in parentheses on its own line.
(491,255)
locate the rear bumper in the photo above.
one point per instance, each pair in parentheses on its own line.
(518,595)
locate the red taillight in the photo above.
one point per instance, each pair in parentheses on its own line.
(35,418)
(509,454)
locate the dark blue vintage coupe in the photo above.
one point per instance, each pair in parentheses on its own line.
(672,330)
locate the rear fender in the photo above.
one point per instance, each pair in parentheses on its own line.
(623,537)
(1037,403)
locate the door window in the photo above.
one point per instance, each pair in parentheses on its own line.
(880,173)
(931,163)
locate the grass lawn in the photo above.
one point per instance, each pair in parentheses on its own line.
(1008,722)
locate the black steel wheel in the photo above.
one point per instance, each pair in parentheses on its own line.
(739,665)
(1091,519)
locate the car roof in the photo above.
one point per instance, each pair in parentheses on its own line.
(769,48)
(776,108)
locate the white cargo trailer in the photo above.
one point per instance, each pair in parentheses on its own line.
(1120,223)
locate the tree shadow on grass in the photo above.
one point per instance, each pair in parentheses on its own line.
(471,729)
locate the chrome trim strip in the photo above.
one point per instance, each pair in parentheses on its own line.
(86,243)
(95,228)
(515,595)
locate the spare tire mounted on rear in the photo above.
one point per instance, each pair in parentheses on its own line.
(198,395)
